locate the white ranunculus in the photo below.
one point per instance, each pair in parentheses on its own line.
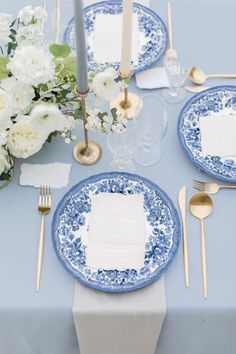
(5,22)
(32,65)
(47,118)
(21,93)
(6,104)
(24,140)
(5,164)
(30,35)
(104,85)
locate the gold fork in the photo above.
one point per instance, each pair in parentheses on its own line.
(44,208)
(210,187)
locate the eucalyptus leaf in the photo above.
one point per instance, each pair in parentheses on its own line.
(60,50)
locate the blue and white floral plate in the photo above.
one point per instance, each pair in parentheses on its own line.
(211,101)
(153,36)
(70,225)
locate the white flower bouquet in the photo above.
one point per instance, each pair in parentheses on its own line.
(38,98)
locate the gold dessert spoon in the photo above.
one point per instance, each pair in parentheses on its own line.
(197,76)
(201,206)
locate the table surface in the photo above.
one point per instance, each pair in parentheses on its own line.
(205,30)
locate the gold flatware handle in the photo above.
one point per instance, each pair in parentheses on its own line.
(40,253)
(196,89)
(169,25)
(204,263)
(185,251)
(227,76)
(228,187)
(182,206)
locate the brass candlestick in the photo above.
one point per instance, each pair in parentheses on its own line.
(86,152)
(126,102)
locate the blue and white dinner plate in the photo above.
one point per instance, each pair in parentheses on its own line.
(153,35)
(211,101)
(70,225)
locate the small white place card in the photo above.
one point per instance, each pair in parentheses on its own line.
(218,135)
(116,236)
(107,38)
(152,78)
(55,175)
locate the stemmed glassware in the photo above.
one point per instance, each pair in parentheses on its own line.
(122,147)
(177,70)
(150,127)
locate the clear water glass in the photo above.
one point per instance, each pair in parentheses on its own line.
(150,127)
(177,71)
(122,147)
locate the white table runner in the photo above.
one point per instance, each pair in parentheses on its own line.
(125,323)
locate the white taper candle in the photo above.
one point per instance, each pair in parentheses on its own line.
(126,49)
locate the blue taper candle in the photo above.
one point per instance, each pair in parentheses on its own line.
(81,48)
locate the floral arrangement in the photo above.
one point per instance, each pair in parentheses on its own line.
(38,98)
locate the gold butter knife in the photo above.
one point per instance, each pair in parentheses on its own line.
(182,206)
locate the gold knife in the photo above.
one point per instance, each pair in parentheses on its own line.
(182,206)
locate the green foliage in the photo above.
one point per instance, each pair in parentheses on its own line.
(114,113)
(60,50)
(52,135)
(3,68)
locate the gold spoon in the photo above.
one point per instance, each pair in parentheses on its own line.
(197,76)
(201,206)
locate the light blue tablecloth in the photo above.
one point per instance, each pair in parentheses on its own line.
(42,323)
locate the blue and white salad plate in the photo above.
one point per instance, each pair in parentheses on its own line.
(207,103)
(70,227)
(153,37)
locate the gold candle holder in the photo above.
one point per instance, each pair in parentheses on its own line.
(86,152)
(126,102)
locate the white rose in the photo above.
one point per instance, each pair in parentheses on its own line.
(32,65)
(5,21)
(6,104)
(4,161)
(22,94)
(47,118)
(104,85)
(24,140)
(30,35)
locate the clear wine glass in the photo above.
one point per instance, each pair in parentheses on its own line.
(150,127)
(177,70)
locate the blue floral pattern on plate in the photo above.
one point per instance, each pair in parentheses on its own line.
(153,36)
(70,224)
(209,102)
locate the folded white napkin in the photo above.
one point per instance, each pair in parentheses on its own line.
(152,78)
(55,175)
(107,38)
(218,135)
(142,2)
(116,237)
